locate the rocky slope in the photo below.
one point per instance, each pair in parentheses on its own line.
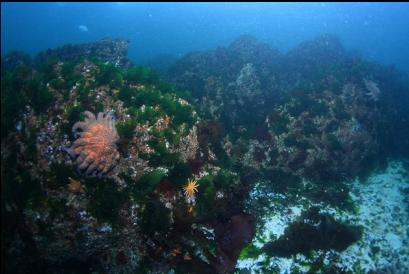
(247,124)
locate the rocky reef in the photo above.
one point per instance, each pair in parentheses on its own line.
(106,167)
(95,160)
(113,51)
(318,113)
(300,126)
(313,231)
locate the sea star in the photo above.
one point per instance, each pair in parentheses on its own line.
(95,150)
(190,189)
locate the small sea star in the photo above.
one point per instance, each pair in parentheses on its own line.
(191,188)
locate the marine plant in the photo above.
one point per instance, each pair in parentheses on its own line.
(107,200)
(147,183)
(109,75)
(155,219)
(21,87)
(141,75)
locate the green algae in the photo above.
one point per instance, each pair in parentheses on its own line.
(146,184)
(109,75)
(105,201)
(205,201)
(180,174)
(155,219)
(126,130)
(162,156)
(60,174)
(250,252)
(72,115)
(141,75)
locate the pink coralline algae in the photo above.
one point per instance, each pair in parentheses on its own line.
(95,150)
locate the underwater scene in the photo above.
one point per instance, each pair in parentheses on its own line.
(205,138)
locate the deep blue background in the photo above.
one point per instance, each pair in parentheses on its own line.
(379,31)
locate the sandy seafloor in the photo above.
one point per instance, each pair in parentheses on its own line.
(382,210)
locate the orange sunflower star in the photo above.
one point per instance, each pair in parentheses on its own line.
(191,188)
(95,151)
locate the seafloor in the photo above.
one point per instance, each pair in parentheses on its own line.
(240,159)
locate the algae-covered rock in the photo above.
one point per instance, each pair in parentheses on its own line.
(97,153)
(317,112)
(313,231)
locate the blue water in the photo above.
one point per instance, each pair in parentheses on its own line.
(378,31)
